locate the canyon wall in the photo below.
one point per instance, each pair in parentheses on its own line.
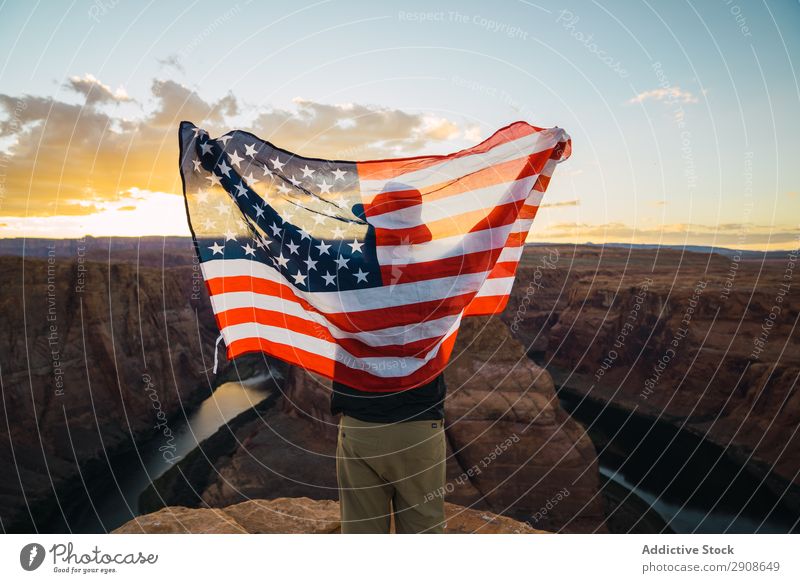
(93,357)
(705,341)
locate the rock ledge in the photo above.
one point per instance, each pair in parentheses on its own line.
(297,516)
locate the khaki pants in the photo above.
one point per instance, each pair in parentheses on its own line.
(397,467)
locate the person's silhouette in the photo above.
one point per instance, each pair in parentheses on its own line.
(391,448)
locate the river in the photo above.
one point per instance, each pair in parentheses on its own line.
(117,501)
(690,482)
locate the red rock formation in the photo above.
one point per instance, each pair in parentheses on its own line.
(297,516)
(511,448)
(93,357)
(594,320)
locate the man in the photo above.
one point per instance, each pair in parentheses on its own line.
(390,458)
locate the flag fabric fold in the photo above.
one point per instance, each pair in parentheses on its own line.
(361,271)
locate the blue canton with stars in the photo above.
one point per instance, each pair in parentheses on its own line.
(298,215)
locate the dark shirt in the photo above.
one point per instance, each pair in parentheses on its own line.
(421,403)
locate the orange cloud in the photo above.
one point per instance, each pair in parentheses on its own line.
(65,159)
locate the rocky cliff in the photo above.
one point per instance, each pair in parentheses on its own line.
(297,516)
(94,357)
(511,448)
(705,341)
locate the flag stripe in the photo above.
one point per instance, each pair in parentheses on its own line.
(383,170)
(454,169)
(232,320)
(367,374)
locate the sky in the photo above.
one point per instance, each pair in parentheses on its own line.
(683,115)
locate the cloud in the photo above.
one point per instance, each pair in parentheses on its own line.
(172,61)
(352,131)
(64,158)
(64,155)
(575,202)
(95,91)
(670,95)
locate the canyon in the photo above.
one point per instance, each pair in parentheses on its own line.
(106,344)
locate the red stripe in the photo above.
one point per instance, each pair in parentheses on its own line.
(528,211)
(450,266)
(361,321)
(486,305)
(388,169)
(359,379)
(417,348)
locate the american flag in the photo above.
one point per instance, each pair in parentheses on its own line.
(361,271)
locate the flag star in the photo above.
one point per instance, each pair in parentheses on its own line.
(276,230)
(329,279)
(323,248)
(304,234)
(307,172)
(206,148)
(356,246)
(341,262)
(267,171)
(217,248)
(224,168)
(236,159)
(260,242)
(310,263)
(250,150)
(230,236)
(223,208)
(259,211)
(248,250)
(324,187)
(208,224)
(202,196)
(214,179)
(283,189)
(294,181)
(250,179)
(241,190)
(339,174)
(299,278)
(360,276)
(224,140)
(196,131)
(319,219)
(282,260)
(197,165)
(293,247)
(277,164)
(338,233)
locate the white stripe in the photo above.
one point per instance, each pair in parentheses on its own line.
(488,198)
(356,300)
(383,337)
(510,254)
(454,168)
(521,226)
(454,246)
(384,367)
(496,286)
